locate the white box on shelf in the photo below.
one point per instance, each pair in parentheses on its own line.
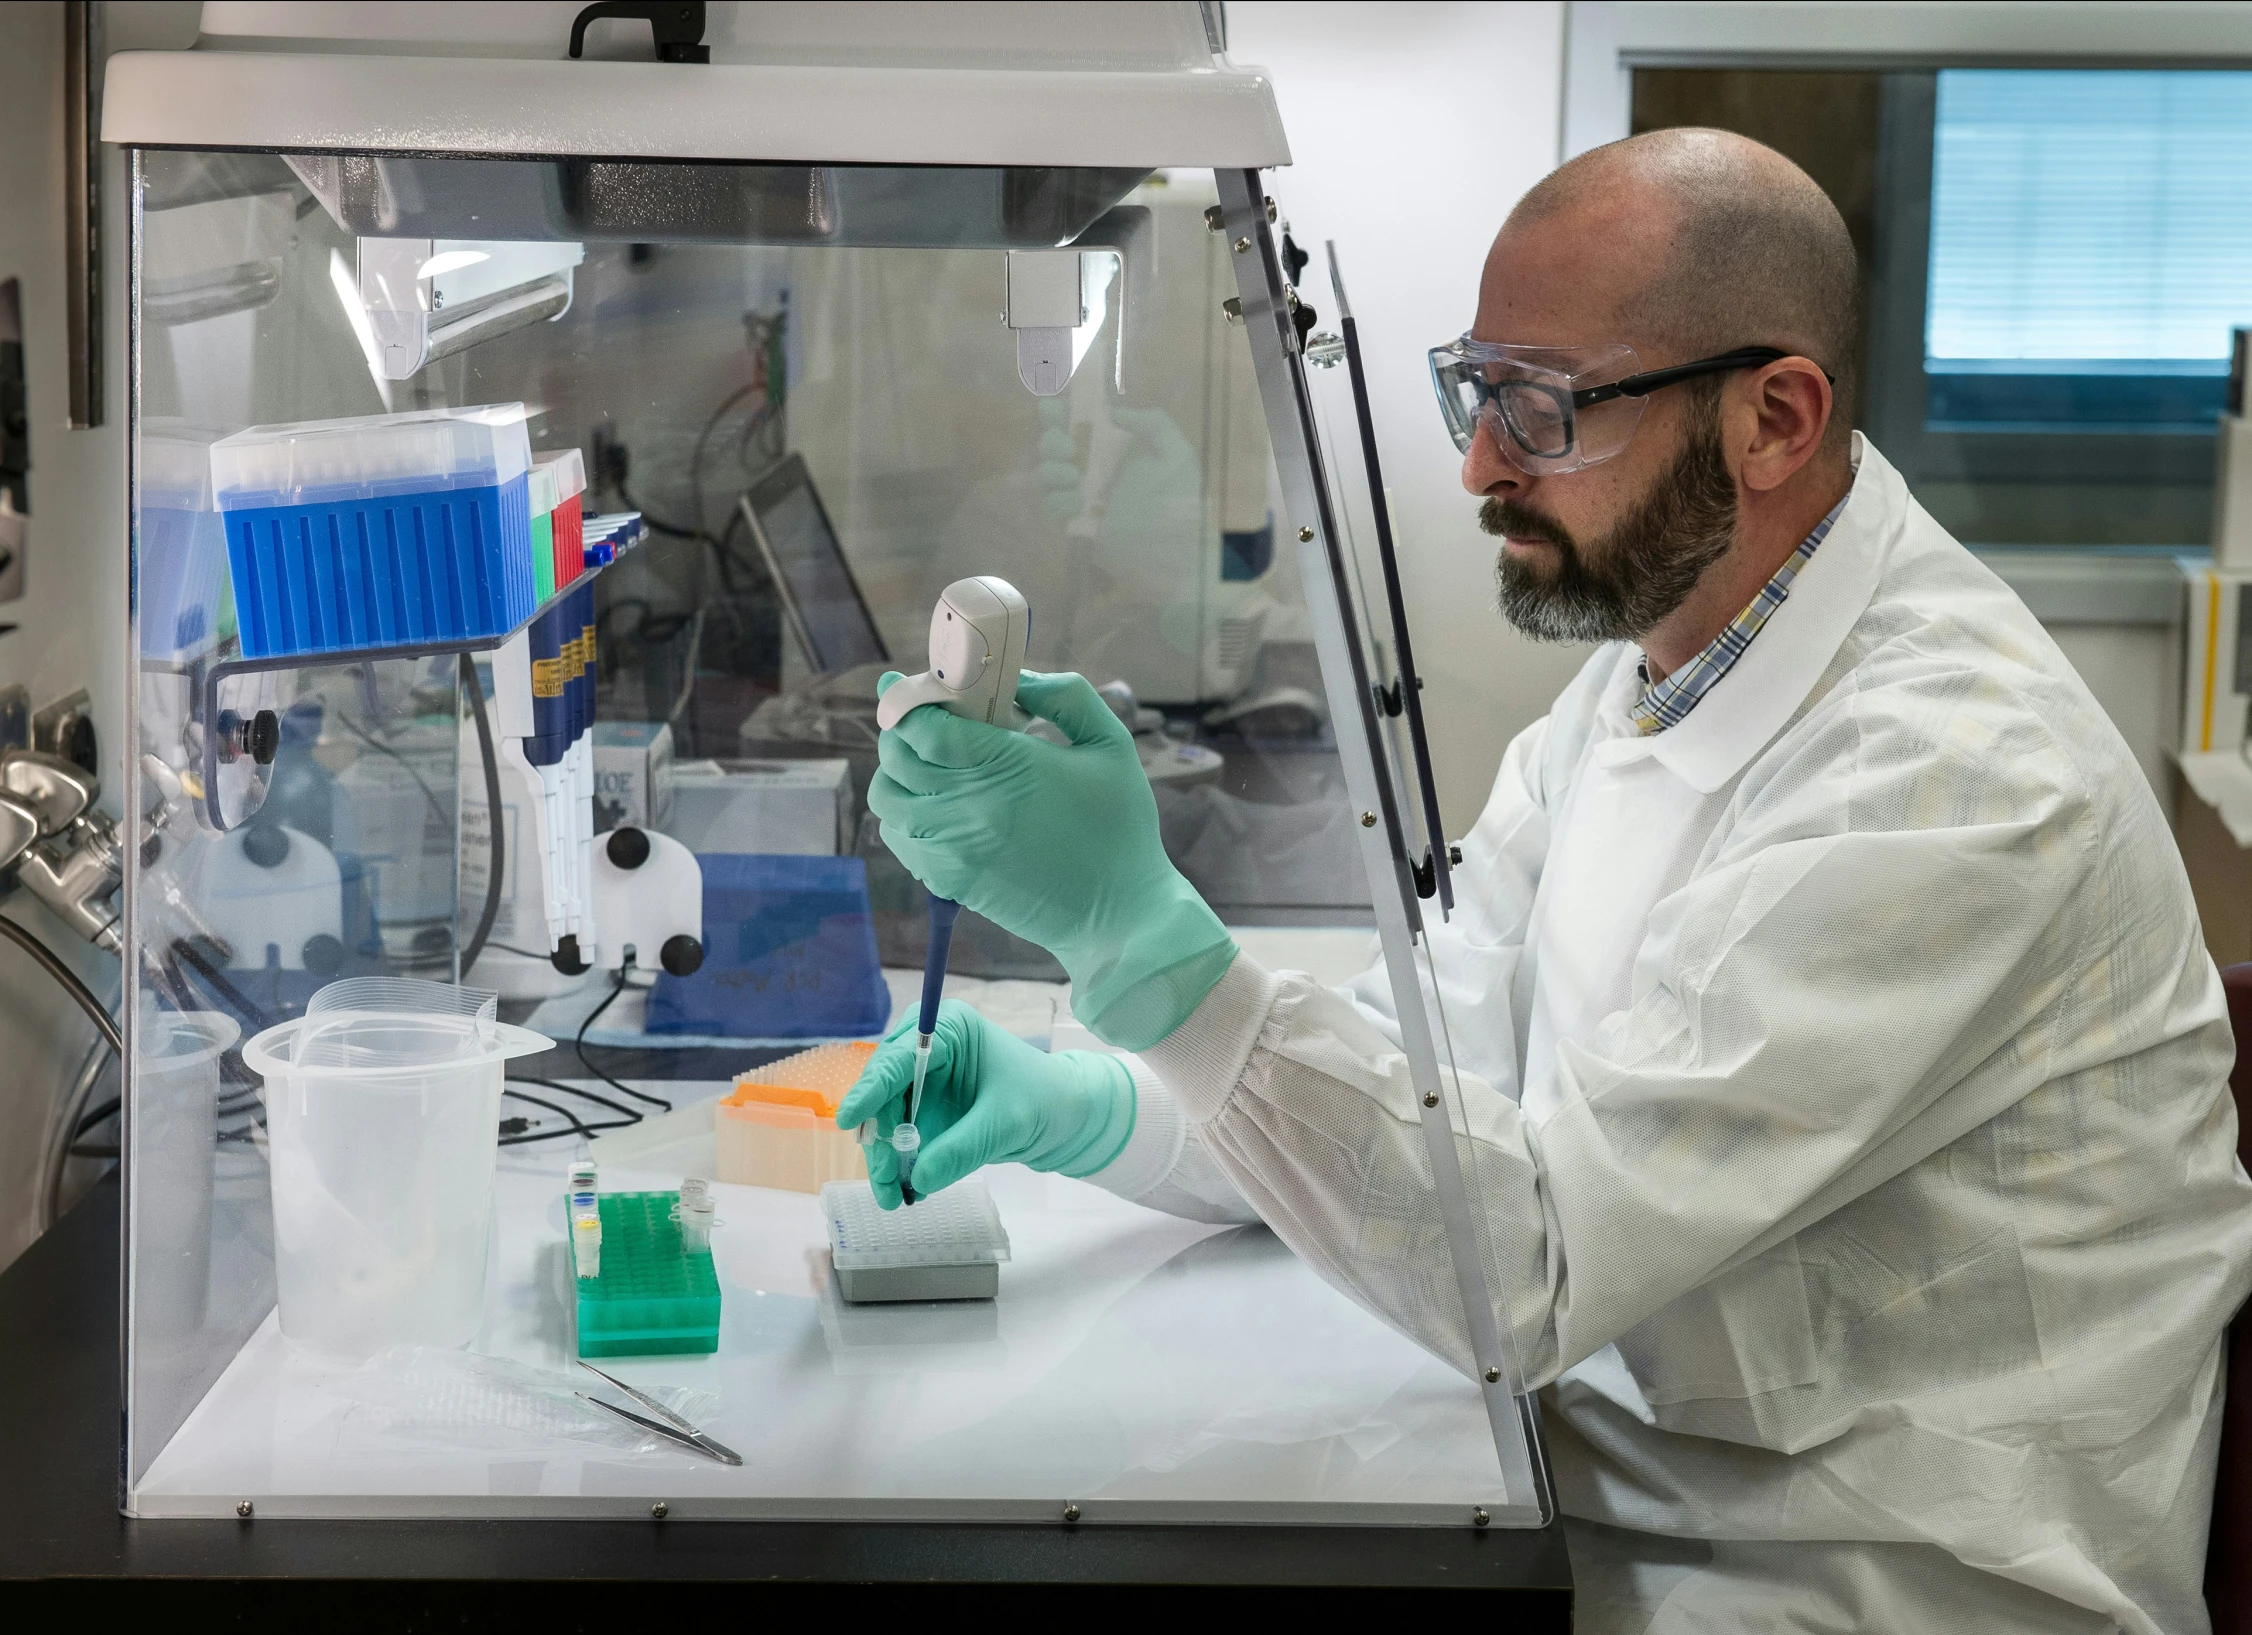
(633,775)
(802,808)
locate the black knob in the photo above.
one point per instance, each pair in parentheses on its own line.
(261,736)
(566,957)
(628,848)
(1293,258)
(323,954)
(681,955)
(266,844)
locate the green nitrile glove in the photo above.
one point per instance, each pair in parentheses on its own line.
(989,1098)
(1059,844)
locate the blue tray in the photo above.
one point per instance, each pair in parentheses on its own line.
(399,570)
(789,953)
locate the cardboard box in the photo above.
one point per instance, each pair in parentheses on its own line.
(633,775)
(798,808)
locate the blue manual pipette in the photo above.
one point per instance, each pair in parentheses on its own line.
(906,1140)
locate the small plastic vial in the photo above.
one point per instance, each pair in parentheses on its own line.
(586,1245)
(696,1225)
(906,1142)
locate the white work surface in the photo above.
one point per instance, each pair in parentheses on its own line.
(1141,1366)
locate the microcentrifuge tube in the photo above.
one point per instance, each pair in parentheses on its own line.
(696,1225)
(906,1141)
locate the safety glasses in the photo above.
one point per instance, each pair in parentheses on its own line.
(1555,409)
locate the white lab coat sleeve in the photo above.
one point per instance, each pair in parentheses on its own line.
(1855,978)
(1308,1108)
(1164,1164)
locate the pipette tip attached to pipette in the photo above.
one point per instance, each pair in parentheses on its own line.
(906,1139)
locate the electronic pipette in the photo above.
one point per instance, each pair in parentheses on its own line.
(978,633)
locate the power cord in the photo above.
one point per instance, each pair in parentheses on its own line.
(46,959)
(579,1043)
(631,1115)
(517,1132)
(497,856)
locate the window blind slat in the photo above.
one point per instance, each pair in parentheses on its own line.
(2091,214)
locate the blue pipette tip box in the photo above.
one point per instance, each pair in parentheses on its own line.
(386,530)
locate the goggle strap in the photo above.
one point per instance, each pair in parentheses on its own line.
(1642,385)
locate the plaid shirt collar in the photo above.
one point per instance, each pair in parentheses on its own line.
(1664,703)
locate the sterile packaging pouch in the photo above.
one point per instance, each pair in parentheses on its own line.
(779,1126)
(385,530)
(789,953)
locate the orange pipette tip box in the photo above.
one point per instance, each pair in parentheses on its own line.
(778,1126)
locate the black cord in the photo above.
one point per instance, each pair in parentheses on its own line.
(564,1113)
(497,858)
(579,1044)
(703,440)
(248,1009)
(105,1110)
(656,524)
(578,1126)
(632,1115)
(47,961)
(380,747)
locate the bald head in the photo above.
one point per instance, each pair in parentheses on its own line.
(1708,241)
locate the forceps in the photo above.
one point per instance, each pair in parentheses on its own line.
(673,1429)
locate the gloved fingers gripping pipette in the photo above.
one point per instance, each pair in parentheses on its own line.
(977,641)
(988,1098)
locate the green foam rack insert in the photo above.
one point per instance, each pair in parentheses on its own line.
(653,1296)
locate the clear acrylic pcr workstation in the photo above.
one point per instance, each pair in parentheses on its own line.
(535,463)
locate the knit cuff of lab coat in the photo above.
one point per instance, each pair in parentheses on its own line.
(1201,1060)
(1154,1148)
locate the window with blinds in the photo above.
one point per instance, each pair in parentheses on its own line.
(2091,247)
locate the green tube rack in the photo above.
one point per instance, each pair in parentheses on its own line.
(653,1297)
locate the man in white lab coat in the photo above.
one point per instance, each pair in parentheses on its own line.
(1846,1072)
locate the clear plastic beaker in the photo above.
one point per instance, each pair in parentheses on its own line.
(176,1109)
(382,1118)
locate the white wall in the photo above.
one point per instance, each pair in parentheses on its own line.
(1414,128)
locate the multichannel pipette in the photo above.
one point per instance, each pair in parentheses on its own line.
(906,1139)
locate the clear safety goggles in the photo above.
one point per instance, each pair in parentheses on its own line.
(1554,409)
